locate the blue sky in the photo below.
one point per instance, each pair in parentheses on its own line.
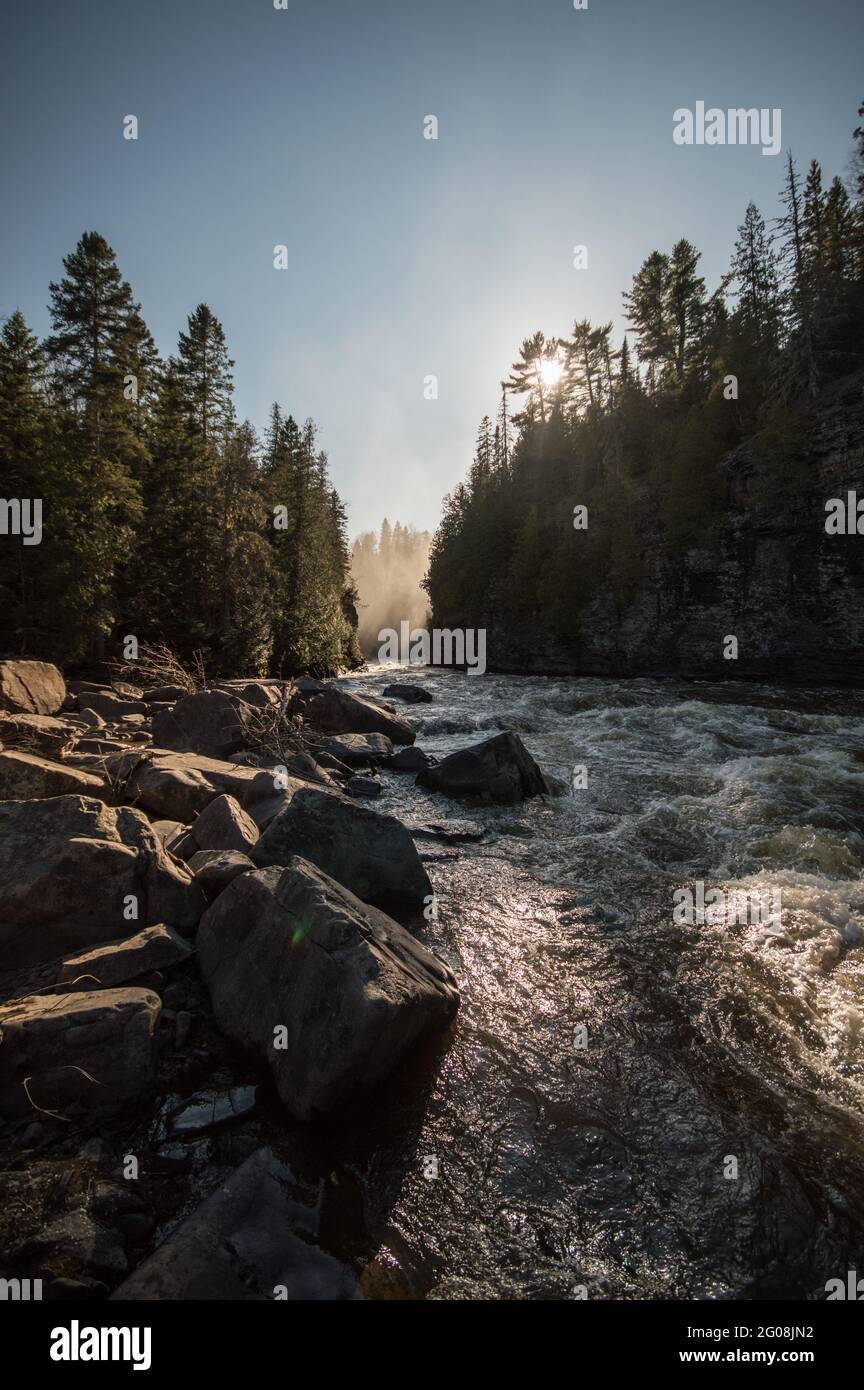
(407,257)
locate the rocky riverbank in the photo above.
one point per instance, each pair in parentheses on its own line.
(211,954)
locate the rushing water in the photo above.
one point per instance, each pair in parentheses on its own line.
(627,1106)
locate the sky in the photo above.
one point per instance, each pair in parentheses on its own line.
(406,257)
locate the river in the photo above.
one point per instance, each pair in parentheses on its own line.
(628,1106)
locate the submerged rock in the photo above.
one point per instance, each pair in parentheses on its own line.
(411,694)
(326,990)
(499,769)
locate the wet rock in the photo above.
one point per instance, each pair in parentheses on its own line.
(355,750)
(253,1238)
(363,788)
(326,990)
(223,824)
(178,786)
(28,776)
(411,694)
(371,854)
(499,769)
(67,869)
(209,1109)
(216,868)
(155,948)
(451,832)
(409,760)
(31,687)
(210,722)
(93,1051)
(335,711)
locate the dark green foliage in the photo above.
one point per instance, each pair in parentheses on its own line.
(644,438)
(158,508)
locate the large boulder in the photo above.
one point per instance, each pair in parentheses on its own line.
(331,710)
(24,776)
(31,687)
(328,991)
(211,722)
(177,786)
(93,1052)
(373,855)
(68,867)
(253,1238)
(500,769)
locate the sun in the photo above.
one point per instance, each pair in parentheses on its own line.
(551,369)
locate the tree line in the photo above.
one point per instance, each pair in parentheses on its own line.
(164,517)
(639,434)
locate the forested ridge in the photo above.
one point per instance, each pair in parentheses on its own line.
(607,463)
(164,517)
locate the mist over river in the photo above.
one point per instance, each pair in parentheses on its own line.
(567,1170)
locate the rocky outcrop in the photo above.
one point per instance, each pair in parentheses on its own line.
(326,990)
(69,869)
(37,733)
(331,710)
(499,769)
(371,854)
(31,687)
(177,786)
(90,1051)
(255,1237)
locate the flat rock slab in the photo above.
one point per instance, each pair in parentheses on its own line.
(115,963)
(87,1051)
(327,991)
(27,776)
(37,733)
(31,687)
(372,855)
(68,867)
(253,1238)
(109,705)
